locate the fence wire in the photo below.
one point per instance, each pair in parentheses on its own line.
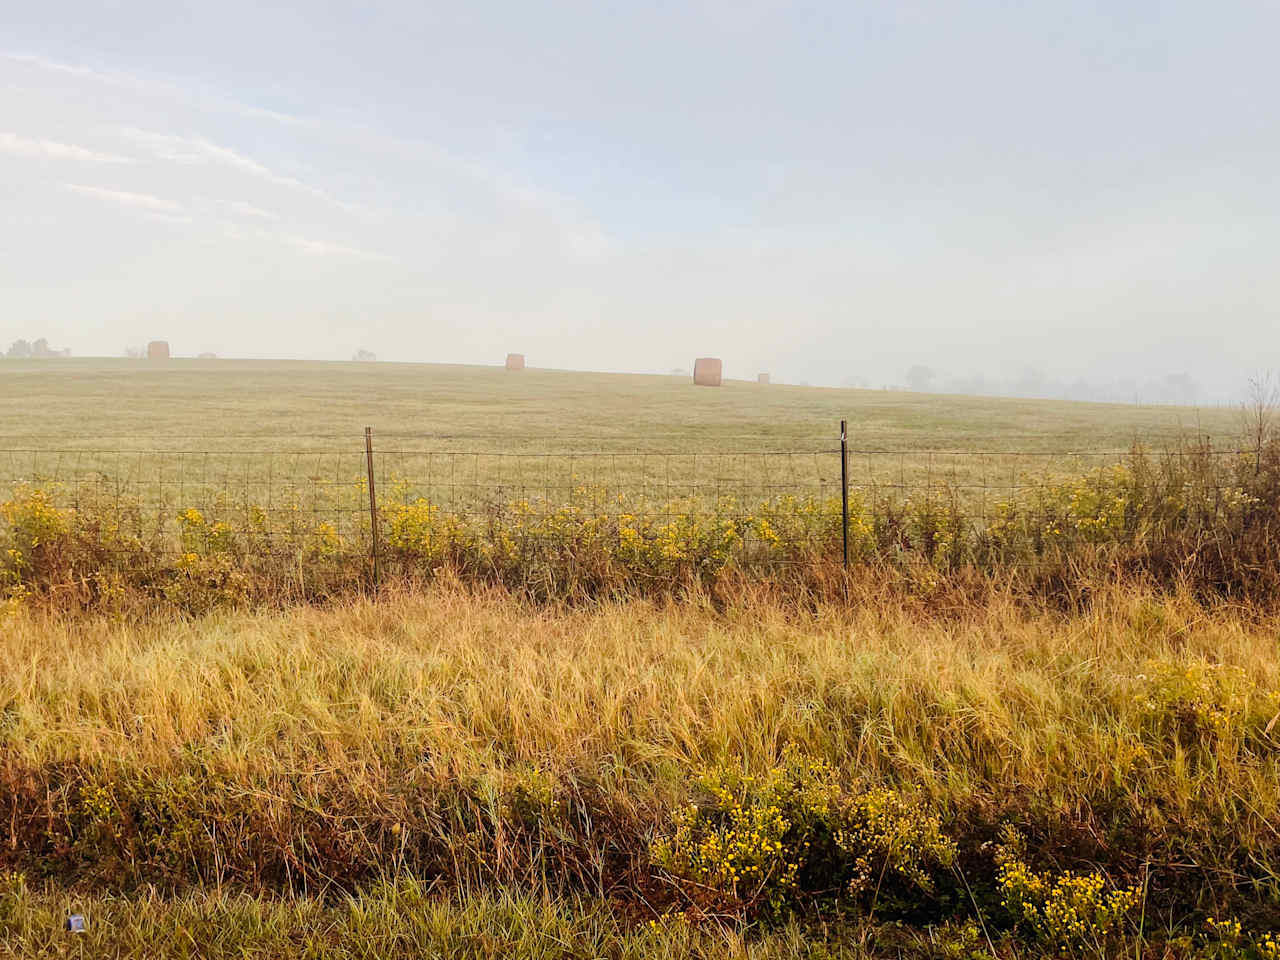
(283,492)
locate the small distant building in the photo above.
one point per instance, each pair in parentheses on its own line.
(707,371)
(158,350)
(515,361)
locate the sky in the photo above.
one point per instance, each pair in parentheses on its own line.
(827,191)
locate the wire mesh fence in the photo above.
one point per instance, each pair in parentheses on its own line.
(283,493)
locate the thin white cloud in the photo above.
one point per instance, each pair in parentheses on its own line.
(324,248)
(180,149)
(249,210)
(195,149)
(40,148)
(55,66)
(139,201)
(265,114)
(309,246)
(581,238)
(150,84)
(168,217)
(220,154)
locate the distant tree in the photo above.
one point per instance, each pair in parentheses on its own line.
(920,378)
(1080,389)
(1030,384)
(20,350)
(365,356)
(971,386)
(1259,410)
(135,353)
(1181,388)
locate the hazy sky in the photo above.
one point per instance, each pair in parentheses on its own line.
(819,190)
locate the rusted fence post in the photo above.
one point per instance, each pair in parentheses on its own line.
(844,489)
(373,507)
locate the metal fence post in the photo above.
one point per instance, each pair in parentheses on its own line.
(373,506)
(844,488)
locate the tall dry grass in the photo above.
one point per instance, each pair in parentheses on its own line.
(473,739)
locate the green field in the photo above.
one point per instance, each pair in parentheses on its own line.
(184,431)
(99,403)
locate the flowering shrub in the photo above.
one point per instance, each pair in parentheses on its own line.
(1203,705)
(34,527)
(766,845)
(202,538)
(1192,703)
(792,527)
(1070,911)
(1227,940)
(1095,509)
(323,542)
(412,529)
(939,532)
(591,531)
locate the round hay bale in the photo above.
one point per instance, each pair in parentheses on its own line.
(707,371)
(762,378)
(158,350)
(515,361)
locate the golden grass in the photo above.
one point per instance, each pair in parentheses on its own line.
(636,682)
(991,708)
(483,747)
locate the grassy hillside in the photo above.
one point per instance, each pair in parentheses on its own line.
(105,401)
(186,432)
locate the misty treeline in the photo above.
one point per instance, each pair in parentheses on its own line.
(1174,388)
(33,349)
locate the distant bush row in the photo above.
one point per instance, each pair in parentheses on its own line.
(38,349)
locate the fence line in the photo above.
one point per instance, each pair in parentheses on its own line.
(284,494)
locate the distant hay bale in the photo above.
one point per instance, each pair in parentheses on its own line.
(706,371)
(762,378)
(158,350)
(515,361)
